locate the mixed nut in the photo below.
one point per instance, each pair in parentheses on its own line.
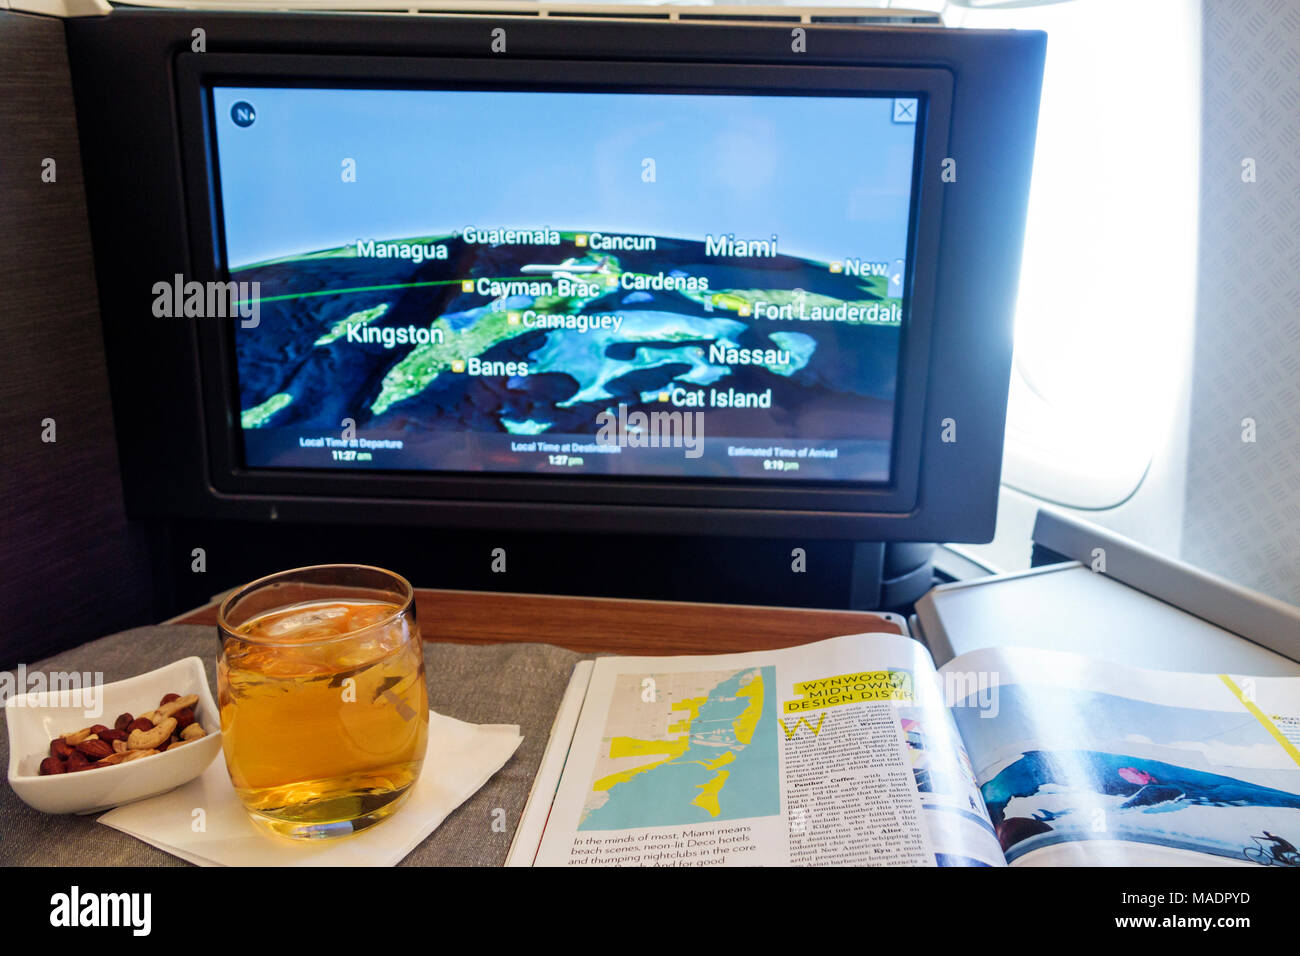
(171,724)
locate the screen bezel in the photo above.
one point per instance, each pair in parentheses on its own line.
(197,73)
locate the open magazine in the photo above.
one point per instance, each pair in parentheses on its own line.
(856,750)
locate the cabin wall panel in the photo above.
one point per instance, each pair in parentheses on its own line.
(72,567)
(1242,519)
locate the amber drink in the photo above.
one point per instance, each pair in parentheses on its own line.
(324,711)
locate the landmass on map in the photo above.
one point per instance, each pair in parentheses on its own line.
(396,344)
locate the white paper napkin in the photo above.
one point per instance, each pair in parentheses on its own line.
(460,758)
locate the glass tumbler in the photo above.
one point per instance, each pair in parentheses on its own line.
(324,708)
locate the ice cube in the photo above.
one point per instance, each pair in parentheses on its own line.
(313,618)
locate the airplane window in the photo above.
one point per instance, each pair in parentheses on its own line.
(1106,309)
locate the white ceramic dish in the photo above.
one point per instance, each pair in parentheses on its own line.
(35,719)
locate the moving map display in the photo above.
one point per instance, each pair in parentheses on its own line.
(637,284)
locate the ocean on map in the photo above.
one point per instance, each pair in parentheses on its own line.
(702,784)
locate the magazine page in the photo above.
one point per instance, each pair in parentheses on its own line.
(838,752)
(1086,762)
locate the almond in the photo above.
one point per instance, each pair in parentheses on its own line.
(95,749)
(122,722)
(140,723)
(77,761)
(52,765)
(168,698)
(59,748)
(184,718)
(111,735)
(98,729)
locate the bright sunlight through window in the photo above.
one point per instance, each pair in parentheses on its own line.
(1105,314)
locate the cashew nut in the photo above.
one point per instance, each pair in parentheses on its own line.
(75,738)
(151,739)
(193,732)
(180,703)
(137,754)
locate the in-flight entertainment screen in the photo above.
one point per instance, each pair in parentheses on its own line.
(699,286)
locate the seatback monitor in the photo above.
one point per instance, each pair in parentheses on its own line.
(631,276)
